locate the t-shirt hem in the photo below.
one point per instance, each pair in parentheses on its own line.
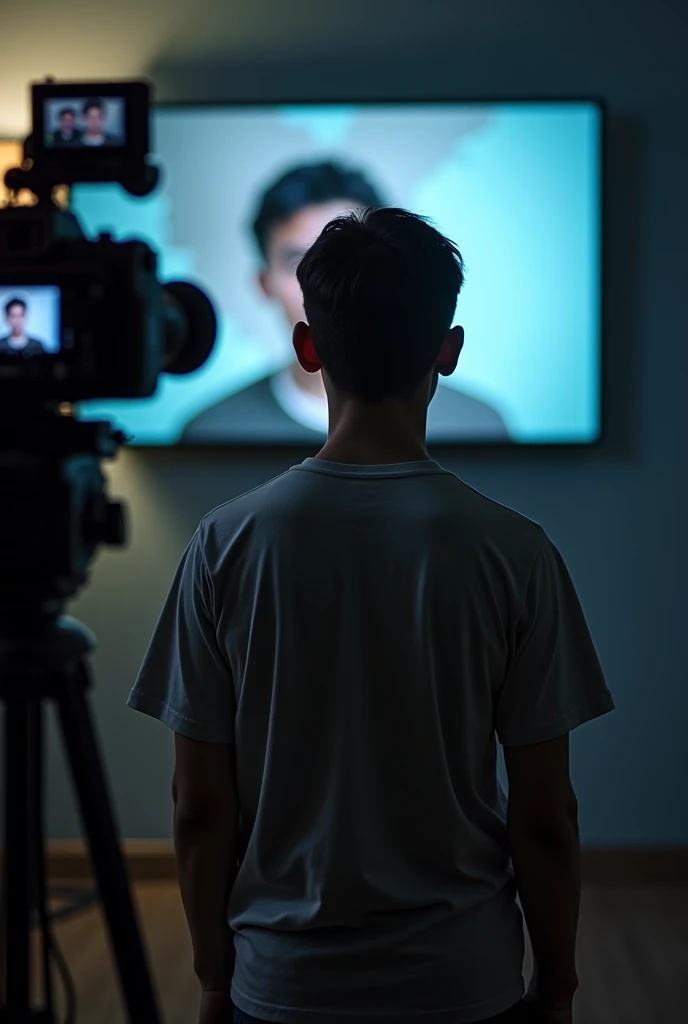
(544,731)
(175,720)
(275,1014)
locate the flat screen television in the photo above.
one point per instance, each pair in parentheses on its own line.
(246,188)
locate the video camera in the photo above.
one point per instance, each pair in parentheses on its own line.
(105,326)
(79,319)
(83,319)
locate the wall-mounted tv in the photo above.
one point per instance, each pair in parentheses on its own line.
(247,187)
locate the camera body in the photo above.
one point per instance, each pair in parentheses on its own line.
(107,307)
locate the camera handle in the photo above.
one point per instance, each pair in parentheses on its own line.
(38,664)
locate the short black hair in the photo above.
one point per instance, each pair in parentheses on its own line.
(93,103)
(379,291)
(14,302)
(66,110)
(306,185)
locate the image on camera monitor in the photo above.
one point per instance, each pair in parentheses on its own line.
(29,320)
(84,122)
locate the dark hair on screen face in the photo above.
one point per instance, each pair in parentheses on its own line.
(307,185)
(14,302)
(93,103)
(64,111)
(380,290)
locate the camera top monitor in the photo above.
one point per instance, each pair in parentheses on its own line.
(94,132)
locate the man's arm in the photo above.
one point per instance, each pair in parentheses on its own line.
(542,829)
(206,813)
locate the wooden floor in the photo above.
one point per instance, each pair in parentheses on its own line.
(632,960)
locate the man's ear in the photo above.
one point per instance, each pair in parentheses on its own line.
(264,283)
(304,347)
(450,351)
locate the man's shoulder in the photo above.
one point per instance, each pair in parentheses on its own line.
(493,517)
(34,347)
(225,417)
(455,413)
(496,538)
(232,405)
(252,415)
(240,520)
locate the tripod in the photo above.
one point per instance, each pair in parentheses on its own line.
(46,662)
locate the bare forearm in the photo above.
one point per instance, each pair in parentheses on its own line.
(548,878)
(206,855)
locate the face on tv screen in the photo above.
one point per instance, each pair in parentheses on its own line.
(246,190)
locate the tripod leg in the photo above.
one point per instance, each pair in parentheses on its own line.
(108,864)
(39,896)
(18,895)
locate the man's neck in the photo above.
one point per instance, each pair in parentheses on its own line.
(364,435)
(373,439)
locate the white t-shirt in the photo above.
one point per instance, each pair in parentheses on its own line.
(363,635)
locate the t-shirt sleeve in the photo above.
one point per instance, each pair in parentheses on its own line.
(185,681)
(554,681)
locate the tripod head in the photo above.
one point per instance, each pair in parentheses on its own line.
(54,510)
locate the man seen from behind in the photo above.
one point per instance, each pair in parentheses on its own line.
(340,653)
